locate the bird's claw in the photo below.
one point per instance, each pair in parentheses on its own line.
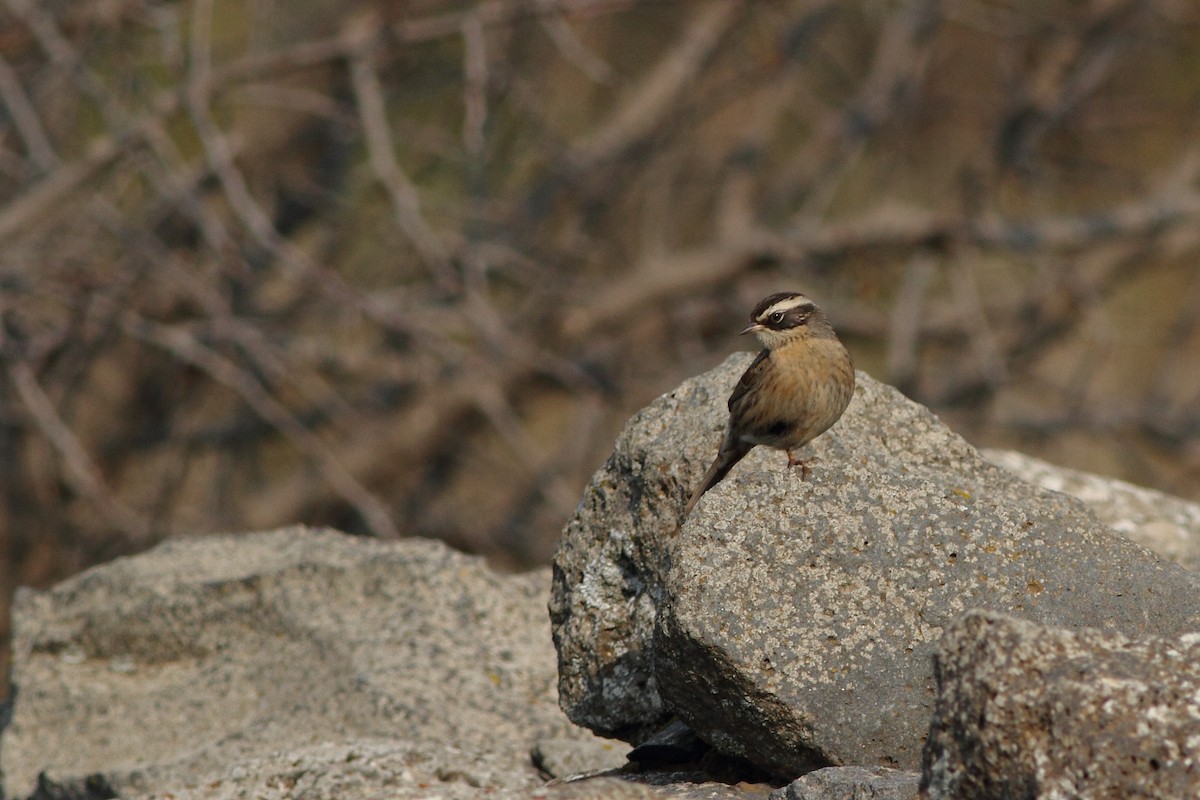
(802,463)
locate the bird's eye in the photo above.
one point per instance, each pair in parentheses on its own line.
(777,317)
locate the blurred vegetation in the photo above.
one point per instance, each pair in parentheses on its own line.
(406,267)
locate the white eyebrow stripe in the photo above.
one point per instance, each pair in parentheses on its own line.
(785,305)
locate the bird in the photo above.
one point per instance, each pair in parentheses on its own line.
(795,389)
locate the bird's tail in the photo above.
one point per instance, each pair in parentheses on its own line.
(730,454)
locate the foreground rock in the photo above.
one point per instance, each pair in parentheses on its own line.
(852,783)
(795,621)
(264,665)
(1029,711)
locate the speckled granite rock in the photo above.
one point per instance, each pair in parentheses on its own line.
(1029,711)
(611,788)
(792,623)
(852,783)
(246,662)
(356,770)
(1170,526)
(601,788)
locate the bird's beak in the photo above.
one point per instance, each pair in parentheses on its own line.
(755,328)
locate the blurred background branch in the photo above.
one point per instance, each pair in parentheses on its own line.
(405,268)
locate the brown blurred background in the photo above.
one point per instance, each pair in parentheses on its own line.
(405,268)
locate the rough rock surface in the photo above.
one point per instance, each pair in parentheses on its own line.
(260,664)
(792,622)
(852,783)
(1029,711)
(613,788)
(371,768)
(1170,526)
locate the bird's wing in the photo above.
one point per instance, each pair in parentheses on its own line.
(749,378)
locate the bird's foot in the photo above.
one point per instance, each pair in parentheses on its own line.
(802,463)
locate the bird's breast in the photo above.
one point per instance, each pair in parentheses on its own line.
(803,391)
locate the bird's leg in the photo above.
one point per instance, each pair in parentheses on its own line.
(802,463)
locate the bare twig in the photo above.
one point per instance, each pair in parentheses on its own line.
(406,203)
(64,56)
(81,472)
(25,118)
(45,30)
(222,324)
(1069,72)
(907,318)
(475,78)
(500,12)
(317,52)
(216,145)
(653,99)
(497,410)
(900,62)
(21,214)
(573,50)
(220,157)
(984,342)
(187,349)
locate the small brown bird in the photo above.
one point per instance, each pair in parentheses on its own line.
(794,391)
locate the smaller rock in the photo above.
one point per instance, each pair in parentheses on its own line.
(160,671)
(1024,710)
(597,789)
(852,783)
(645,787)
(1170,526)
(358,770)
(564,757)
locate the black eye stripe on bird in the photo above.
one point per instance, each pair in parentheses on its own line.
(791,306)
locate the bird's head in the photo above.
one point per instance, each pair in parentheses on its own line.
(787,317)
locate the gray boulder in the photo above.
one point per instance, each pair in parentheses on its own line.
(252,665)
(791,622)
(852,783)
(627,788)
(1029,711)
(1170,526)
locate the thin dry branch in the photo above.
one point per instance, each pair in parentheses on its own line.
(1150,214)
(405,200)
(475,79)
(220,154)
(669,275)
(656,97)
(65,57)
(304,55)
(984,341)
(907,319)
(213,139)
(384,449)
(660,276)
(45,30)
(178,183)
(574,51)
(506,422)
(222,324)
(900,62)
(1068,72)
(22,213)
(80,471)
(181,344)
(501,12)
(25,118)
